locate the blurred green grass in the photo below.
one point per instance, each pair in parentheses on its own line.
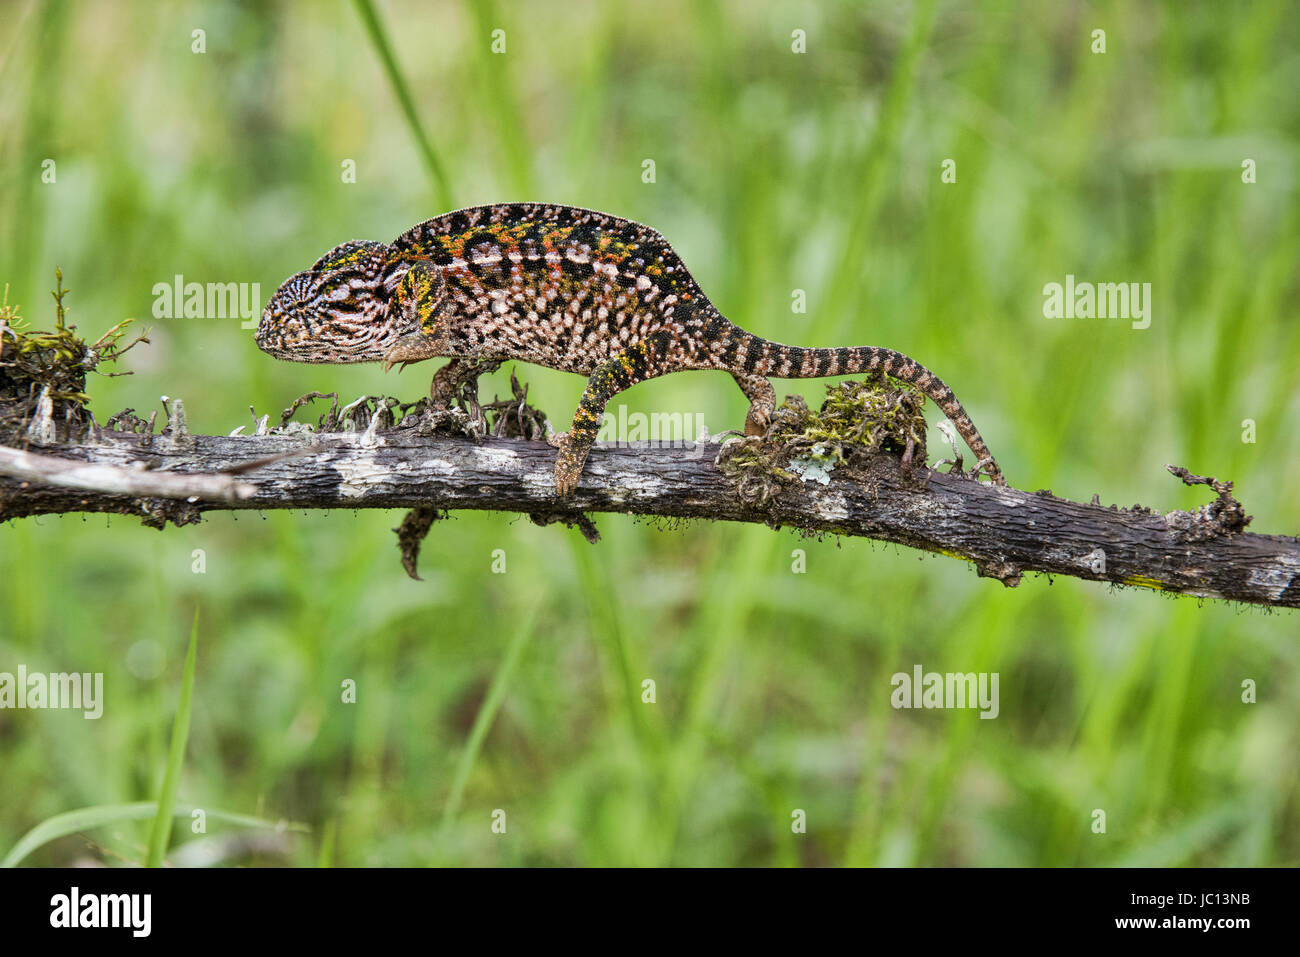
(774,171)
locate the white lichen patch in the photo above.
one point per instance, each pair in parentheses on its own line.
(932,508)
(1095,561)
(1275,578)
(436,466)
(813,469)
(831,506)
(359,474)
(492,458)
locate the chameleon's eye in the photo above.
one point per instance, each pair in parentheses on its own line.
(296,290)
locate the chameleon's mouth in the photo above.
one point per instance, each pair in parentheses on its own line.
(296,333)
(264,339)
(325,319)
(274,335)
(282,321)
(313,349)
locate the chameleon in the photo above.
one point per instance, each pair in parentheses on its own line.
(564,287)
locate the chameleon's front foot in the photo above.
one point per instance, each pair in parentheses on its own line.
(413,348)
(568,463)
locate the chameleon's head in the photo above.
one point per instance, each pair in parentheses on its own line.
(336,311)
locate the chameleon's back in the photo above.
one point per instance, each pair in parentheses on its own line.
(561,285)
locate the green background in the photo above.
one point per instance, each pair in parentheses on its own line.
(775,171)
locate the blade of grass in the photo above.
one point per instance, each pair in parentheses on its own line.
(610,630)
(503,105)
(483,722)
(606,624)
(375,29)
(331,830)
(714,635)
(162,825)
(847,280)
(89,818)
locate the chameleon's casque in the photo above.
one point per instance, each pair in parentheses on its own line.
(564,287)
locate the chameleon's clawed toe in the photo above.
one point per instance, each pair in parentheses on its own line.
(757,420)
(568,464)
(990,468)
(412,348)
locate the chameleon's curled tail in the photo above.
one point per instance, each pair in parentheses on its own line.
(766,358)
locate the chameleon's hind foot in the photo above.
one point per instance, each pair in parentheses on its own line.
(990,468)
(762,402)
(568,463)
(758,418)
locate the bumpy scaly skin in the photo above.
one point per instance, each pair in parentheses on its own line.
(563,287)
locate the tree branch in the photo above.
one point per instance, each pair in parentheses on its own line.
(1003,531)
(109,479)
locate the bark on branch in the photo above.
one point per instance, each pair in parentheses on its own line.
(1003,531)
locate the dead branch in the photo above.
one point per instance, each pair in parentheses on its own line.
(114,480)
(1004,532)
